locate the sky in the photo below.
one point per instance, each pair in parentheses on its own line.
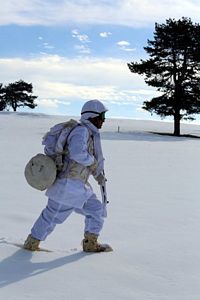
(75,51)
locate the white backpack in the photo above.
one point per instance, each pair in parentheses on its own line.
(40,172)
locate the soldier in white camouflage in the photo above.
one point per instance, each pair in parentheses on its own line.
(71,191)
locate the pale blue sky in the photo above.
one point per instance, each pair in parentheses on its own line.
(74,51)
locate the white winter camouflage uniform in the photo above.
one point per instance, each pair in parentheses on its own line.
(71,191)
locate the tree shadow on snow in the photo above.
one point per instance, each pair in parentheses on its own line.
(182,135)
(18,266)
(145,136)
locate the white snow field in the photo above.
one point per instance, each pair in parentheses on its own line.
(153,219)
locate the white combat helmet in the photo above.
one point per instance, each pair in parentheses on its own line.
(40,172)
(93,108)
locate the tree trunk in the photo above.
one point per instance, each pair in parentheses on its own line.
(14,106)
(177,120)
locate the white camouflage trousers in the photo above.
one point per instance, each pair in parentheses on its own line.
(56,213)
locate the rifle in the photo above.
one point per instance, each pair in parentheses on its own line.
(104,197)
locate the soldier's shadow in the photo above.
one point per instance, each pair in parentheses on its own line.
(18,266)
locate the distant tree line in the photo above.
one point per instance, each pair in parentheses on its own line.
(17,94)
(173,68)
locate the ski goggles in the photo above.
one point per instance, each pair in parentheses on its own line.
(102,116)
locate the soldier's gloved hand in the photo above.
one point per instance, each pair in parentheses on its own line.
(93,167)
(101,179)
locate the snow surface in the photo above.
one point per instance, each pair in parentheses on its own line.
(153,219)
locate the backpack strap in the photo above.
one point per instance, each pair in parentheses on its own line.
(64,152)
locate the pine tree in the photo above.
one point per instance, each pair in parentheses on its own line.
(2,102)
(174,69)
(19,94)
